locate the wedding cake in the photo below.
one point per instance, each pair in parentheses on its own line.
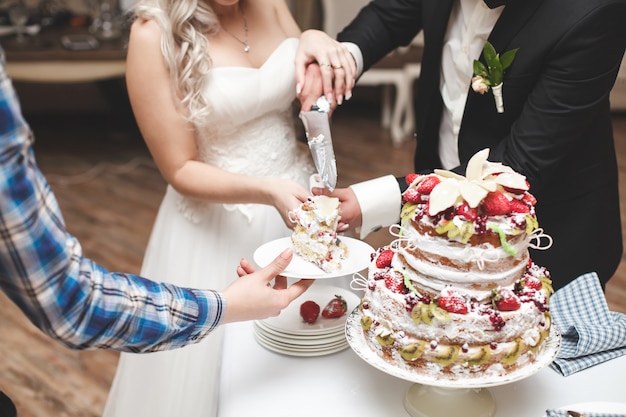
(456,294)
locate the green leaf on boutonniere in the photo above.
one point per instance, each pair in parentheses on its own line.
(507,58)
(491,75)
(496,64)
(480,69)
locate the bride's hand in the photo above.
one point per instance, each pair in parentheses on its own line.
(286,195)
(336,65)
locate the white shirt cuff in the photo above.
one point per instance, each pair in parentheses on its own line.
(358,56)
(380,200)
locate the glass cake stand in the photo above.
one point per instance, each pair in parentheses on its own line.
(431,396)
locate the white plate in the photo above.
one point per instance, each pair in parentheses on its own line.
(597,407)
(300,352)
(296,339)
(290,322)
(300,348)
(359,257)
(356,339)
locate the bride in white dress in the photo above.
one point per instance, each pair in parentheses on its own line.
(224,140)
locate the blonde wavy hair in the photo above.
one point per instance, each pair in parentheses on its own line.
(185,48)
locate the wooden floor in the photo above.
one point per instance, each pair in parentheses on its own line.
(109,191)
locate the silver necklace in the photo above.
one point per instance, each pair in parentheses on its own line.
(246,46)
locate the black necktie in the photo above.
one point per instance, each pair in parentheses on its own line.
(492,4)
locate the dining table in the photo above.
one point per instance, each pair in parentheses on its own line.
(256,381)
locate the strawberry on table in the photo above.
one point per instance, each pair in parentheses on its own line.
(309,311)
(336,307)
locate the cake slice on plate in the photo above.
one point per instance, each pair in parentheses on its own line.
(315,234)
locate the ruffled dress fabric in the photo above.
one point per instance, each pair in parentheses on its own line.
(197,244)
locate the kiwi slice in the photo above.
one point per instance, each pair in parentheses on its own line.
(413,351)
(440,314)
(479,357)
(366,322)
(426,314)
(416,313)
(385,339)
(447,355)
(542,337)
(511,356)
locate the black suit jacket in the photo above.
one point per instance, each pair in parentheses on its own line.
(556,128)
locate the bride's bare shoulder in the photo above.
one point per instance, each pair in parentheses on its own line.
(145,31)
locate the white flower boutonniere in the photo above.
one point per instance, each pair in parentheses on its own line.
(491,76)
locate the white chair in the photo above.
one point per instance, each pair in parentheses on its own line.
(388,72)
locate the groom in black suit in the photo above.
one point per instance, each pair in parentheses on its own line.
(556,125)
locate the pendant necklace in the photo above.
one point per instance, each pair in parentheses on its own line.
(246,46)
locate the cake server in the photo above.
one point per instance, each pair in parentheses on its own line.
(317,128)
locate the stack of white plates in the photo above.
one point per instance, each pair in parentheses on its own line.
(290,335)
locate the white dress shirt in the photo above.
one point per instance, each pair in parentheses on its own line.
(471,21)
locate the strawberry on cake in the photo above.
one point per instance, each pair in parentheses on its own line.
(315,235)
(456,294)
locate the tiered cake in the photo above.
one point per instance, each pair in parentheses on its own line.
(457,293)
(315,233)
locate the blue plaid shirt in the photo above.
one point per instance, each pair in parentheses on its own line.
(67,296)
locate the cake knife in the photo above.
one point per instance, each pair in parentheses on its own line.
(317,129)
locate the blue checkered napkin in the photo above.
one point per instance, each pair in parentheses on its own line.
(564,413)
(591,333)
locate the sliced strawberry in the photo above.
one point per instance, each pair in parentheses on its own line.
(427,184)
(336,307)
(529,199)
(452,303)
(410,178)
(309,311)
(532,282)
(518,206)
(506,300)
(496,203)
(412,195)
(384,259)
(395,282)
(464,210)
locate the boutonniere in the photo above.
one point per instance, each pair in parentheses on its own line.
(491,76)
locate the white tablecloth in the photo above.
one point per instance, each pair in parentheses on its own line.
(257,382)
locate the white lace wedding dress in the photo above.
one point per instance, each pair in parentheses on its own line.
(196,244)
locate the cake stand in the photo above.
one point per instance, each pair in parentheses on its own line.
(431,396)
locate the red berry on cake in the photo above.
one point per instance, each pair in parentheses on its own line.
(412,196)
(384,259)
(309,311)
(464,210)
(506,300)
(496,203)
(452,303)
(336,307)
(410,178)
(427,184)
(395,282)
(532,282)
(530,199)
(518,206)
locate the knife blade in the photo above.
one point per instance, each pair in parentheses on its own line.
(317,129)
